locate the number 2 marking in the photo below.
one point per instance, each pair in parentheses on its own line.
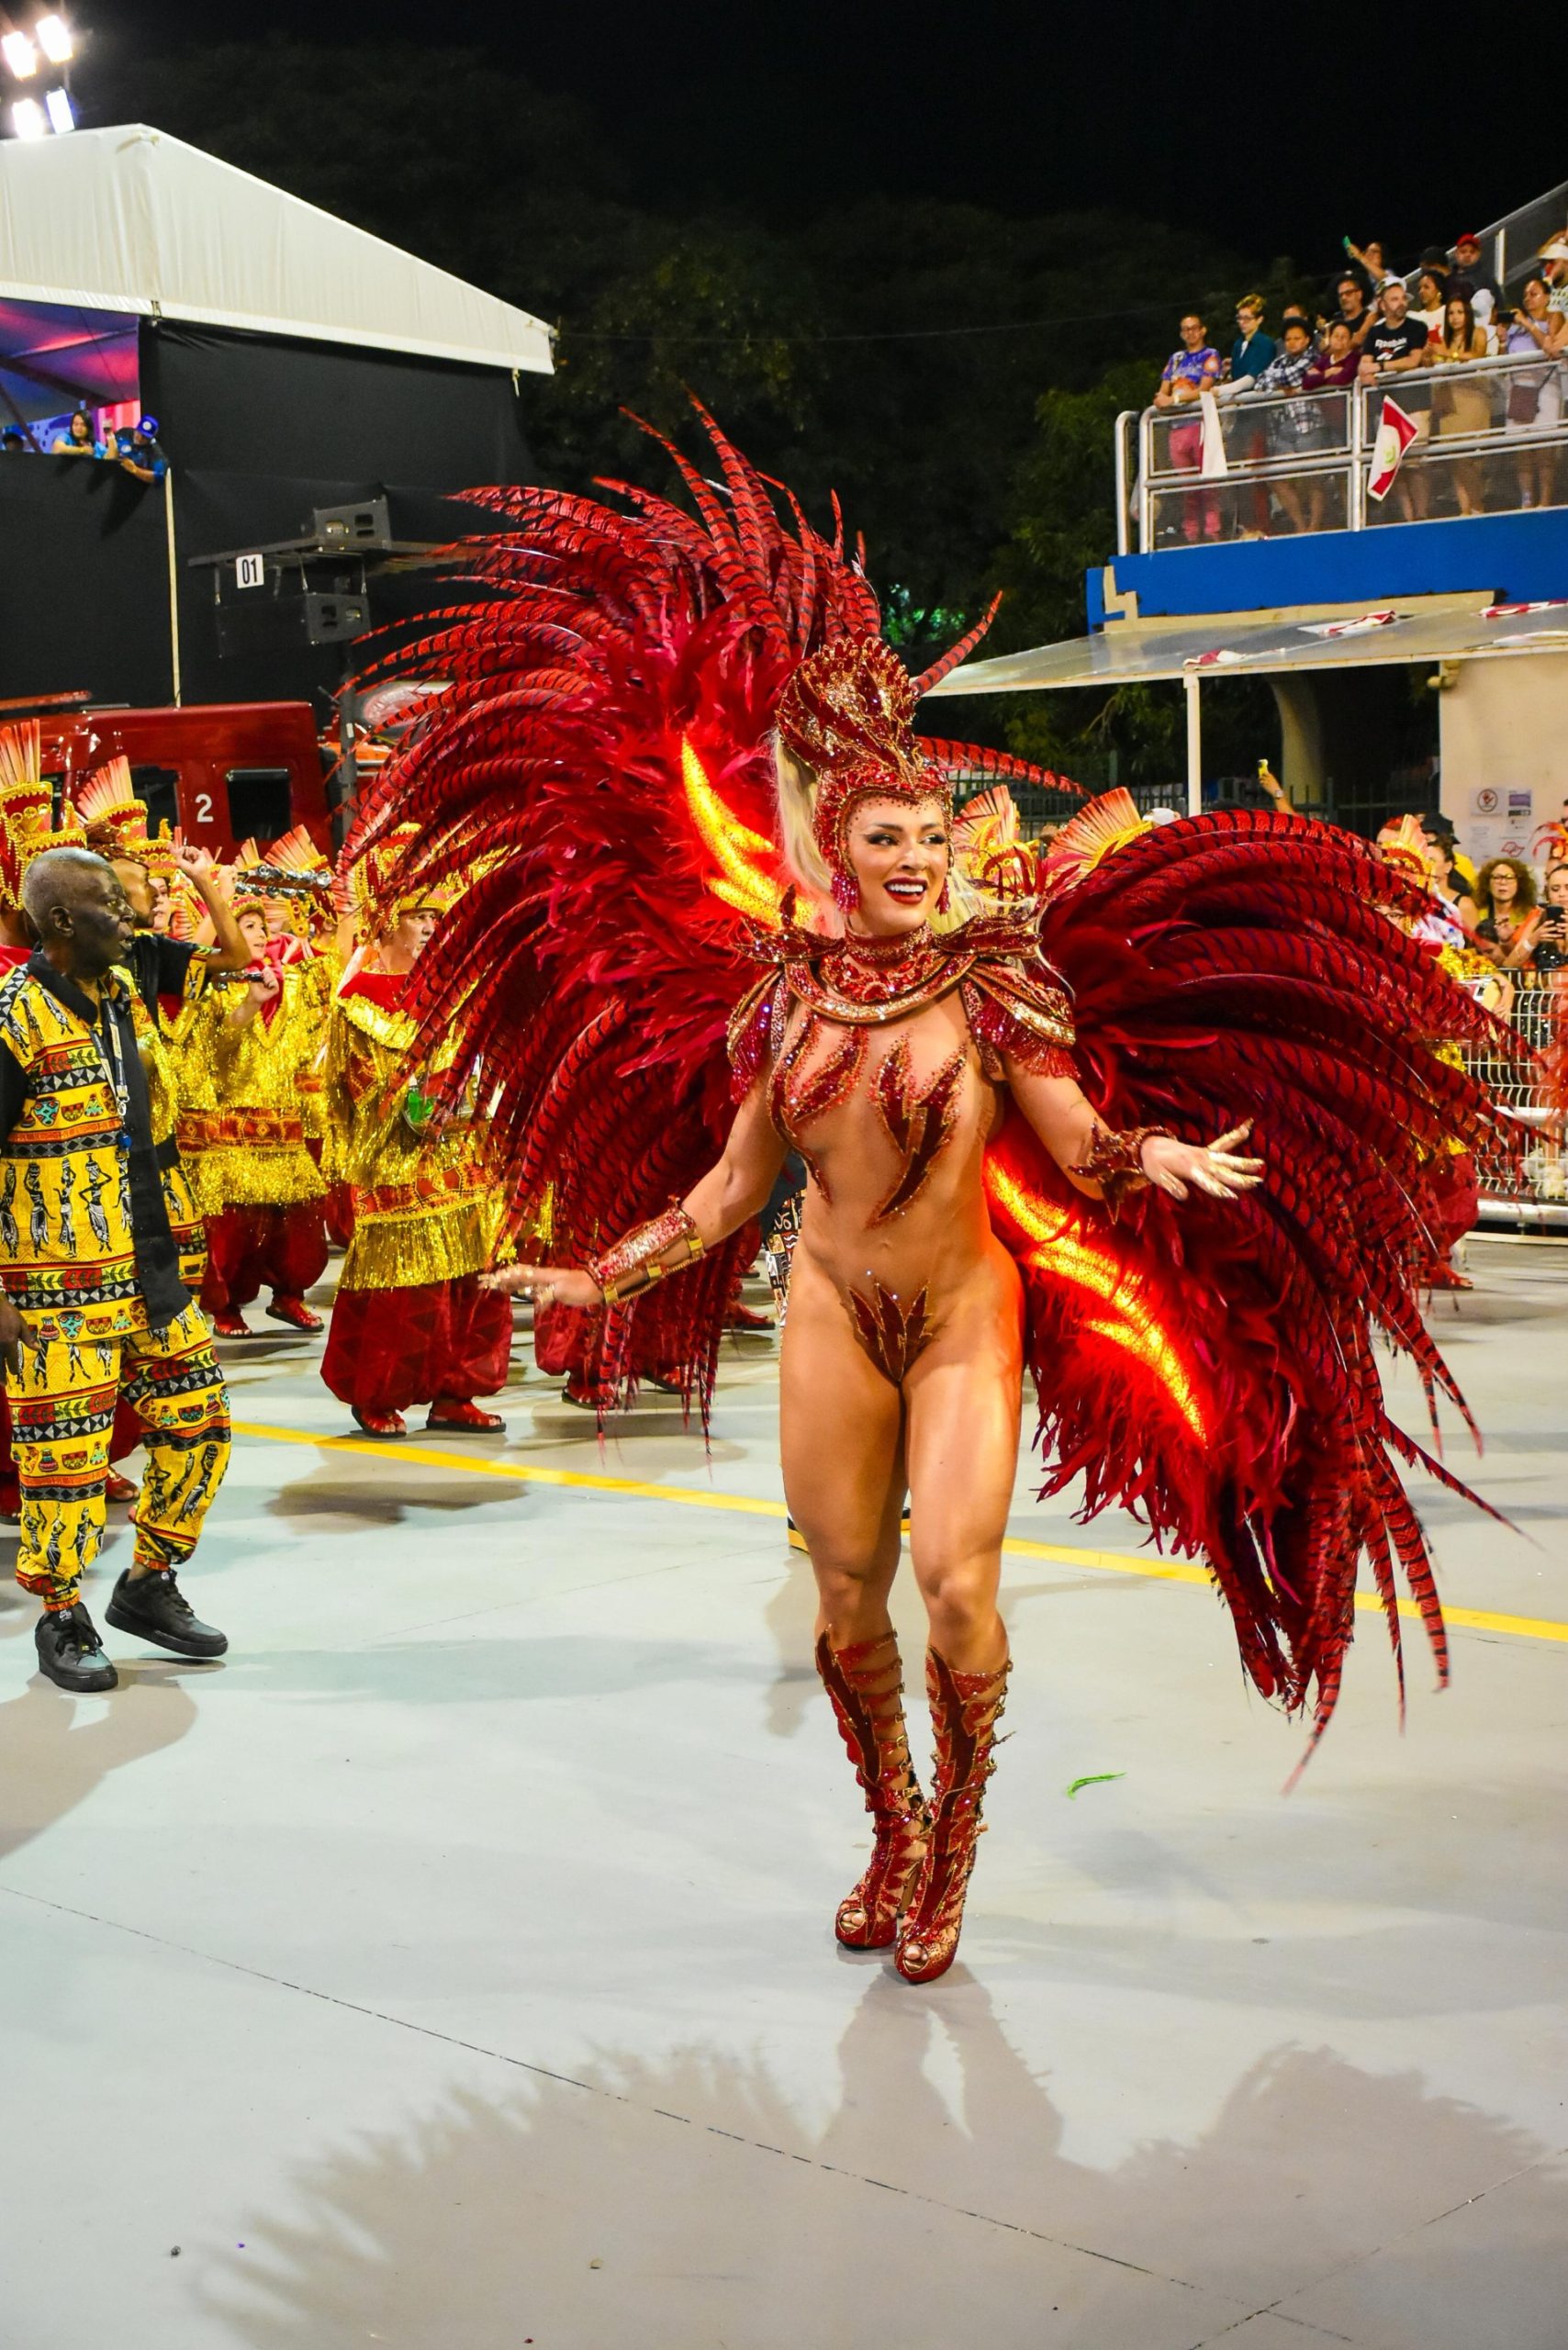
(204,807)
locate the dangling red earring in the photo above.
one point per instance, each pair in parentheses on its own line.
(945,902)
(846,892)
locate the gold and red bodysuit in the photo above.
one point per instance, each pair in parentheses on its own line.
(884,1061)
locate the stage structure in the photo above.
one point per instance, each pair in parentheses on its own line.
(295,363)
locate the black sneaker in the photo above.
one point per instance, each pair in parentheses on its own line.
(155,1608)
(70,1651)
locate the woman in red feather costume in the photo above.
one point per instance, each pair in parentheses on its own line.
(720,873)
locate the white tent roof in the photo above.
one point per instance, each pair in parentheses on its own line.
(130,219)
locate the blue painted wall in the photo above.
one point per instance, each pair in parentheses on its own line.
(1519,558)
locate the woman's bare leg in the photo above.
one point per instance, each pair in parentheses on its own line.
(841,1427)
(961,1438)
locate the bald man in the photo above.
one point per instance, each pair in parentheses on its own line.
(90,1288)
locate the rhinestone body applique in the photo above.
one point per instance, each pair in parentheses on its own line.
(895,1335)
(798,1099)
(918,1125)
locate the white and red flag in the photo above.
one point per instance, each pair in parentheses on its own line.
(1395,431)
(1215,460)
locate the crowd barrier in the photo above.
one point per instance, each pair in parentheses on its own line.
(1533,1193)
(1489,440)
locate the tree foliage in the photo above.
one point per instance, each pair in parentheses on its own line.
(854,350)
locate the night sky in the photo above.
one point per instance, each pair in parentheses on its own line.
(1275,129)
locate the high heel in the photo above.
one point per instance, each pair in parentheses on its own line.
(865,1685)
(965,1708)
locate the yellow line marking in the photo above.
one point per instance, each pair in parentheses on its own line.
(1468,1619)
(518,1471)
(1154,1570)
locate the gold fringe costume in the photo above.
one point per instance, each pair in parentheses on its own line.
(426,1205)
(411,1322)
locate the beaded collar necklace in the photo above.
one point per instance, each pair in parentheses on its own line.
(864,980)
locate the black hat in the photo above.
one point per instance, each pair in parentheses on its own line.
(1433,257)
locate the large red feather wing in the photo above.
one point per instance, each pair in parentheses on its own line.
(596,771)
(1215,1368)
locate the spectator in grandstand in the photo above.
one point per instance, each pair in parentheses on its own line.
(1250,353)
(1353,307)
(1190,371)
(140,455)
(1291,425)
(1509,915)
(1427,310)
(1398,346)
(1332,368)
(14,442)
(1549,947)
(1396,341)
(1485,294)
(1554,264)
(78,439)
(1375,272)
(1534,395)
(1340,360)
(1252,350)
(1466,406)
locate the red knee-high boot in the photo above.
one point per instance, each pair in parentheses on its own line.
(965,1708)
(865,1685)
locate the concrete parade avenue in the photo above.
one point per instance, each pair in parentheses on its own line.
(452,1965)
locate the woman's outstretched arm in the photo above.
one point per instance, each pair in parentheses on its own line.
(732,1190)
(1105,1164)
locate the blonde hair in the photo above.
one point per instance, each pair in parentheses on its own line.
(797,789)
(808,868)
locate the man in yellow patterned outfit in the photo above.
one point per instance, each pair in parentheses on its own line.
(91,1285)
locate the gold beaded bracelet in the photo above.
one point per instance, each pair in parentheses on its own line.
(631,1265)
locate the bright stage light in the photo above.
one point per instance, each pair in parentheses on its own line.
(53,35)
(28,119)
(21,58)
(59,112)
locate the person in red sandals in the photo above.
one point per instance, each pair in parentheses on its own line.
(269,1231)
(411,1322)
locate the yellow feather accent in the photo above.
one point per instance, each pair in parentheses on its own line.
(1096,832)
(732,845)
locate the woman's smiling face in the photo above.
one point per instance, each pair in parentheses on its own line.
(899,856)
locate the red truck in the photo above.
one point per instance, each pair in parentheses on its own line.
(224,771)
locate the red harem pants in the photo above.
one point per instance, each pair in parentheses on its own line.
(391,1347)
(283,1248)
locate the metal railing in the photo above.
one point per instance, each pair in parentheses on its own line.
(1489,441)
(1533,1191)
(1511,244)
